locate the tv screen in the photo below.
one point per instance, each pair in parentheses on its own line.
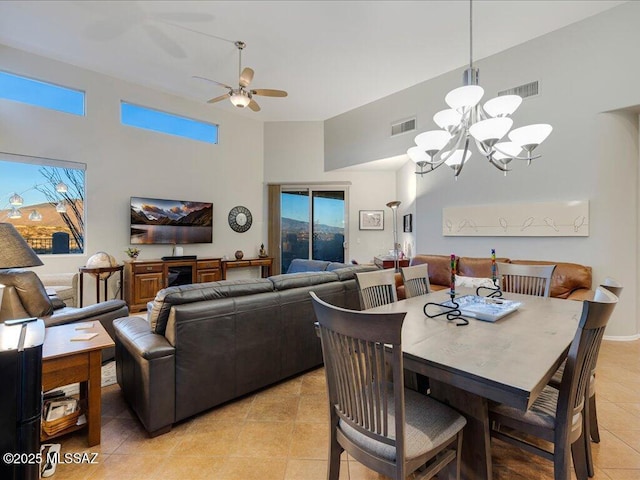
(155,220)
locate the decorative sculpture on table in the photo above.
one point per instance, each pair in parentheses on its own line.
(262,253)
(496,291)
(451,308)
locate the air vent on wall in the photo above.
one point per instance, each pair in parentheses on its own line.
(526,90)
(403,126)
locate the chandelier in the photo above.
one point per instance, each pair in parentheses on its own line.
(467,122)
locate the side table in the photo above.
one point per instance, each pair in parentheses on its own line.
(96,272)
(389,262)
(65,361)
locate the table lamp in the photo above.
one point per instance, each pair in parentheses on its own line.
(15,252)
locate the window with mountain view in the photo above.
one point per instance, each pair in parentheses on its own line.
(312,225)
(44,200)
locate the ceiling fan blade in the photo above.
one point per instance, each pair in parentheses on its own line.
(218,99)
(254,106)
(108,29)
(246,76)
(268,92)
(211,81)
(163,41)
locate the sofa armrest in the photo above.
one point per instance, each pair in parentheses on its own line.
(581,294)
(145,368)
(400,287)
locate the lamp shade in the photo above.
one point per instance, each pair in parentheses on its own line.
(417,154)
(462,98)
(506,150)
(448,119)
(433,141)
(503,105)
(490,131)
(15,252)
(240,99)
(530,136)
(456,158)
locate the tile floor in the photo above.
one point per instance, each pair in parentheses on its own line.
(281,434)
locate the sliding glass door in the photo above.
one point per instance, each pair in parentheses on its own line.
(312,224)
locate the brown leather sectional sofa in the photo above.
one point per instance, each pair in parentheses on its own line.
(569,280)
(205,344)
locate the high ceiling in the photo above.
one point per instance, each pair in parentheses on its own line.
(331,56)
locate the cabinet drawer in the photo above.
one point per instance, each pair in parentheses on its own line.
(148,268)
(208,264)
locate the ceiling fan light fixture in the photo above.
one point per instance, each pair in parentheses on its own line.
(240,99)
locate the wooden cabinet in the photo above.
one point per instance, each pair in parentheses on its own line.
(144,278)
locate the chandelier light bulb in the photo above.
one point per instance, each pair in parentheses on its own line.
(16,200)
(447,119)
(61,187)
(490,131)
(35,216)
(530,136)
(464,98)
(240,99)
(15,213)
(61,207)
(502,106)
(433,141)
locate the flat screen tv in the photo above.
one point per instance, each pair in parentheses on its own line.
(154,220)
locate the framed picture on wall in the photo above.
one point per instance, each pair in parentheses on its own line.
(371,220)
(408,223)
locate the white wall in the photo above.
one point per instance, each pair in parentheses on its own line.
(124,161)
(294,153)
(588,76)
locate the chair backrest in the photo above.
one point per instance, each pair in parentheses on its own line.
(356,346)
(526,279)
(583,355)
(377,288)
(416,280)
(612,285)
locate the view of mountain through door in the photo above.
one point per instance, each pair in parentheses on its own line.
(316,215)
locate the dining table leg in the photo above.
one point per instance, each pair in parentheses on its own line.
(476,437)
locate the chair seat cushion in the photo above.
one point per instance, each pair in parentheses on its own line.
(428,424)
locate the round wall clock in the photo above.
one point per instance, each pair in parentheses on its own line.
(240,219)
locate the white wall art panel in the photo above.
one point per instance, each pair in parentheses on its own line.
(550,219)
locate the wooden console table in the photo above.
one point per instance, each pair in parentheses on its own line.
(96,271)
(387,262)
(65,361)
(264,263)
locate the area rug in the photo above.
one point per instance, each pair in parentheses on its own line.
(108,378)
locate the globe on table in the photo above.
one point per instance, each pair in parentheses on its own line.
(102,260)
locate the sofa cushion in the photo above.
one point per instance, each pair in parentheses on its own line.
(349,272)
(477,267)
(301,265)
(302,279)
(566,278)
(439,267)
(166,298)
(30,291)
(336,265)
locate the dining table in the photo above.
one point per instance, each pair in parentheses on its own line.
(509,360)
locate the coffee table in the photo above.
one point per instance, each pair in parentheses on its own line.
(65,361)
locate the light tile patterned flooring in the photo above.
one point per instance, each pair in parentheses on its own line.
(281,434)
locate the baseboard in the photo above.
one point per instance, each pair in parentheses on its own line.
(629,338)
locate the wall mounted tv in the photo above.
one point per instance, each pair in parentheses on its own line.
(155,220)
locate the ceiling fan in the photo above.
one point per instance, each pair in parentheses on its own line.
(243,96)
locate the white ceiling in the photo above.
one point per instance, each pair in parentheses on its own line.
(331,56)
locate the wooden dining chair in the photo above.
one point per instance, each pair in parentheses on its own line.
(590,417)
(525,279)
(379,423)
(416,280)
(556,415)
(377,288)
